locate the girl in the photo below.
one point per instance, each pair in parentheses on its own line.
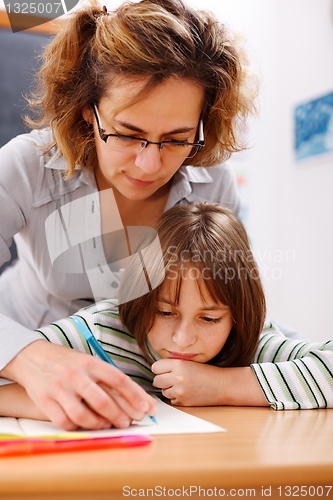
(197,338)
(132,101)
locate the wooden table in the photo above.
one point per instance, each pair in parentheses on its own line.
(263,454)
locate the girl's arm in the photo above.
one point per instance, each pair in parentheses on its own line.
(287,374)
(15,402)
(294,375)
(187,383)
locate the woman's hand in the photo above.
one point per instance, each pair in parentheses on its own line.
(187,383)
(73,389)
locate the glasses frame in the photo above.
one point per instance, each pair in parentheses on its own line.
(145,143)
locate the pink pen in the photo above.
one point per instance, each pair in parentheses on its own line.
(13,448)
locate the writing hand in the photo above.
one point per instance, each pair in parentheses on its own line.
(67,386)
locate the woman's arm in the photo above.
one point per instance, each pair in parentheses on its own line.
(13,338)
(19,169)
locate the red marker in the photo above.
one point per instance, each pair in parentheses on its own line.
(35,446)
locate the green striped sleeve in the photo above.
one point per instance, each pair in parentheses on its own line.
(64,332)
(294,375)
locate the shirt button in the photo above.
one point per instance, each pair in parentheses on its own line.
(114,284)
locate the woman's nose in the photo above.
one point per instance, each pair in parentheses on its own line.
(149,159)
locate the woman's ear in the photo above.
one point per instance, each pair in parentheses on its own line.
(88,114)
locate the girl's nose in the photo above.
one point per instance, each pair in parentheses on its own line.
(184,335)
(149,159)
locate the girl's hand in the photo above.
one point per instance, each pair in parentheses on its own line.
(73,389)
(187,383)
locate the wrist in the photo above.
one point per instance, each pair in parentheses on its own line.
(15,369)
(15,402)
(240,387)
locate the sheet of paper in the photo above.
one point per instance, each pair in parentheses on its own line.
(170,420)
(10,426)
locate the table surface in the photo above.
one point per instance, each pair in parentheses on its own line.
(272,453)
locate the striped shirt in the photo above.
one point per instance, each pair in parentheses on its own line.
(292,374)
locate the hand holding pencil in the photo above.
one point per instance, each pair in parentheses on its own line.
(75,390)
(87,334)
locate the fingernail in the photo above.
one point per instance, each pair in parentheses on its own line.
(144,406)
(106,425)
(123,424)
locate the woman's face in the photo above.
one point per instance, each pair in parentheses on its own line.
(194,329)
(170,111)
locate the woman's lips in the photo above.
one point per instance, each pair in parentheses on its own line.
(179,355)
(137,182)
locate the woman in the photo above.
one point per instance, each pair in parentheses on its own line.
(129,103)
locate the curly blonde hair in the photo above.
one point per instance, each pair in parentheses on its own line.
(151,39)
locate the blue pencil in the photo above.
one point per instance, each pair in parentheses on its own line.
(97,347)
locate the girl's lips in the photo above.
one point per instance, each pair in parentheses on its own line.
(179,355)
(137,182)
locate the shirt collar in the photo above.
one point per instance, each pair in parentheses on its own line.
(56,161)
(181,187)
(153,354)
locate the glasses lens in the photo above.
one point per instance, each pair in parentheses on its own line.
(181,150)
(131,145)
(124,144)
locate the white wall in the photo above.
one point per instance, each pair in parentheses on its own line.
(303,201)
(290,216)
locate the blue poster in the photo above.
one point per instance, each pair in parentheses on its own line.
(314,128)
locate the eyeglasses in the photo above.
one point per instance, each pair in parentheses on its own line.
(134,145)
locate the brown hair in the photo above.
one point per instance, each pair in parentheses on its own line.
(212,240)
(154,39)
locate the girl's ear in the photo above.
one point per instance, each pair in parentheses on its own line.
(88,114)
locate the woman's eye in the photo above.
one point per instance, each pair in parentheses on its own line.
(176,142)
(125,138)
(181,141)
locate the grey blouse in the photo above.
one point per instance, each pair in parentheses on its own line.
(36,290)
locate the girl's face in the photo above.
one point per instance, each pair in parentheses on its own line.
(169,111)
(195,329)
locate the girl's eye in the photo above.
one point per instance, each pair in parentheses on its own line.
(164,313)
(211,320)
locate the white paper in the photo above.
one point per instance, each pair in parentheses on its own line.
(170,420)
